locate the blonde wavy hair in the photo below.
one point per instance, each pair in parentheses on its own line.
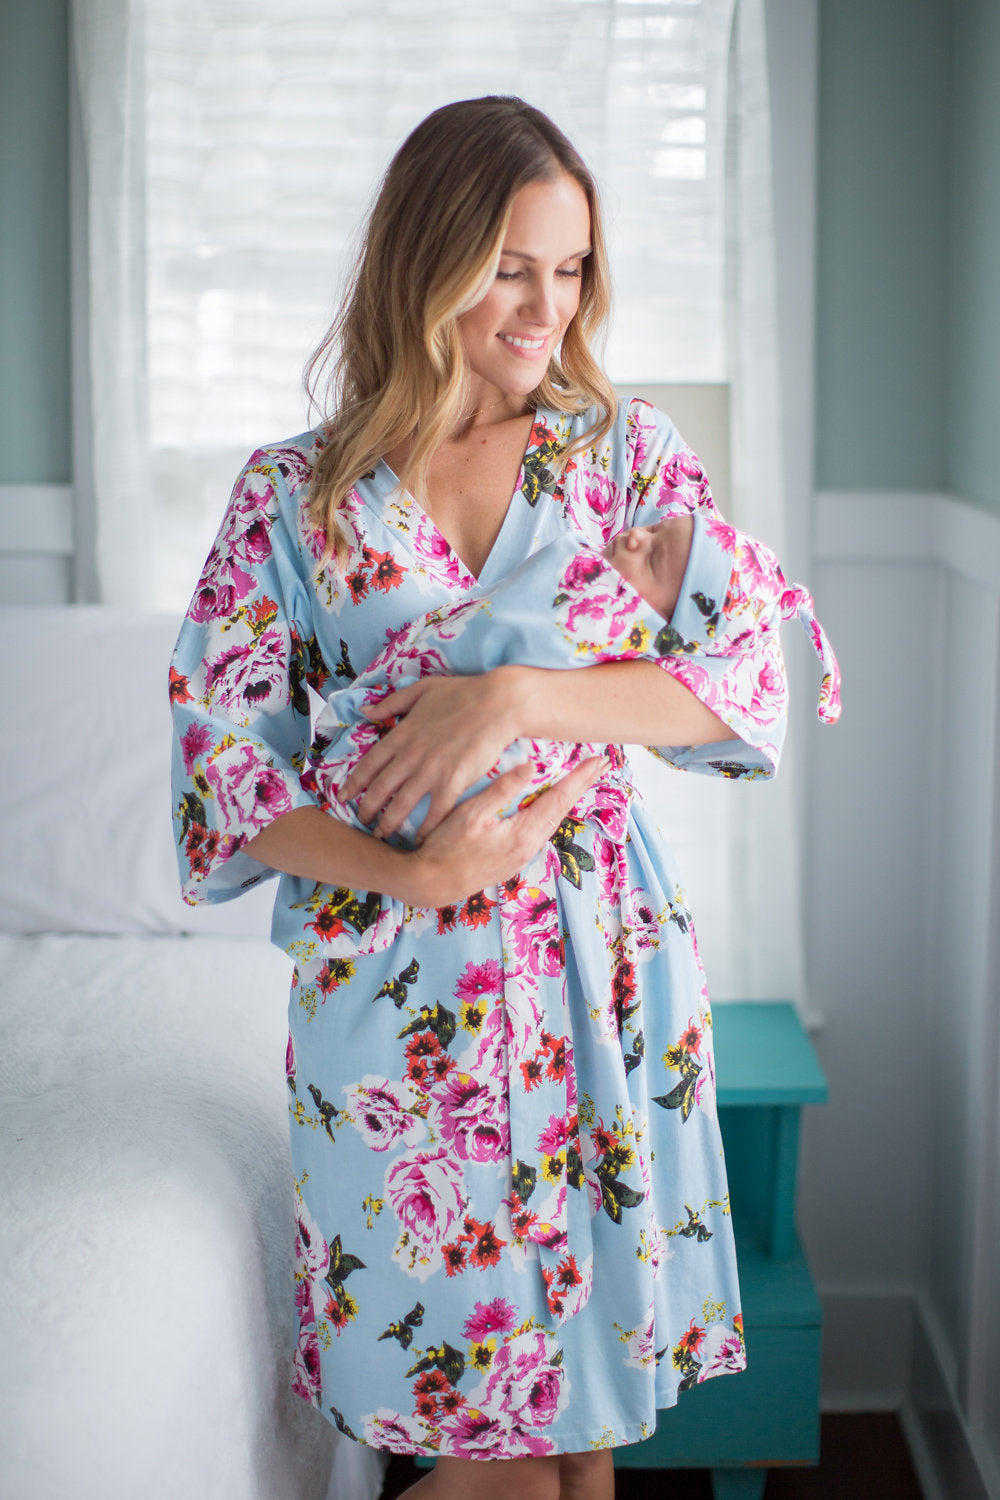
(391,367)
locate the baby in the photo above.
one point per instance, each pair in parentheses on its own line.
(691,593)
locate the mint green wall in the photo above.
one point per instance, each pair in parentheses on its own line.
(35,437)
(974,394)
(883,237)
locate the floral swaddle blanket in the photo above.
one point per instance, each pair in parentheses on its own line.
(567,606)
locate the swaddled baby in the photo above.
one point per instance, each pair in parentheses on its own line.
(571,606)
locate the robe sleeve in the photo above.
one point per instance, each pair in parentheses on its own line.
(238,689)
(726,643)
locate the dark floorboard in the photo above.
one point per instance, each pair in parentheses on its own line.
(863,1457)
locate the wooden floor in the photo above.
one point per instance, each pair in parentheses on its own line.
(863,1458)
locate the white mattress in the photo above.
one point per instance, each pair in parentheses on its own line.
(145,1243)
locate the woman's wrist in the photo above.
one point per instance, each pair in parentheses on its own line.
(514,689)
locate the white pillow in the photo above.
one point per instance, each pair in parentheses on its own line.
(85,791)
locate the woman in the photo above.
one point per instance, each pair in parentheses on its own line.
(513,1233)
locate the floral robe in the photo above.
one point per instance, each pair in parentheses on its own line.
(512,1222)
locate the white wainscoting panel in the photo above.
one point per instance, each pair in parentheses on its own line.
(36,543)
(901,1172)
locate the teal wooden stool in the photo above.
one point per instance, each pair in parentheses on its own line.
(738,1426)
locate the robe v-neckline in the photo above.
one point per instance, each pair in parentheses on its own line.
(402,497)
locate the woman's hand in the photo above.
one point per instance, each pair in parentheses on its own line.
(451,731)
(475,848)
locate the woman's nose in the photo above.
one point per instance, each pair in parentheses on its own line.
(541,305)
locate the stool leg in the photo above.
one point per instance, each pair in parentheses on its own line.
(739,1484)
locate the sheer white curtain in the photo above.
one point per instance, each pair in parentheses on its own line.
(232,147)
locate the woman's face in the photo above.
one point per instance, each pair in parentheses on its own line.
(511,334)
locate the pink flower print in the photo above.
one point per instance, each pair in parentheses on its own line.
(498,1316)
(582,571)
(720,531)
(250,794)
(641,1348)
(312,1253)
(431,547)
(684,479)
(524,1388)
(721,1353)
(472,1118)
(469,1433)
(417,662)
(243,544)
(382,1112)
(560,1130)
(609,865)
(536,934)
(290,1063)
(770,678)
(603,501)
(643,919)
(641,431)
(425,1191)
(480,979)
(394,1432)
(195,740)
(242,679)
(306,1378)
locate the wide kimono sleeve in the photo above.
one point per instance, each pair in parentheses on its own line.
(725,643)
(238,688)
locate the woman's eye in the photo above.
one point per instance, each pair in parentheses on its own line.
(565,271)
(508,275)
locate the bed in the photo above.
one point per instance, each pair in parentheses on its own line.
(145,1214)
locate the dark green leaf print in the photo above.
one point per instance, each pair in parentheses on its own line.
(731,768)
(341,1266)
(397,989)
(402,1331)
(436,1018)
(708,609)
(192,814)
(572,858)
(670,642)
(695,1228)
(327,1112)
(344,669)
(616,1195)
(538,477)
(524,1179)
(450,1361)
(681,1096)
(342,1426)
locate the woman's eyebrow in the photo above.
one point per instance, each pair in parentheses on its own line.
(523,254)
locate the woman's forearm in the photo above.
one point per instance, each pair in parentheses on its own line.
(625,702)
(472,849)
(310,843)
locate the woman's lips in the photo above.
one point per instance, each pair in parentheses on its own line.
(527,348)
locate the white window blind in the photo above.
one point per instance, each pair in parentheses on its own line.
(268,124)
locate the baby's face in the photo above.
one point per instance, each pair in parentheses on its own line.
(652,559)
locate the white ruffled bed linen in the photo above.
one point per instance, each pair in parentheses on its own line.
(146,1316)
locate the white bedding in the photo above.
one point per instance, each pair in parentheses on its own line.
(146,1320)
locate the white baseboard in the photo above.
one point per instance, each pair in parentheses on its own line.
(952,1461)
(882,1351)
